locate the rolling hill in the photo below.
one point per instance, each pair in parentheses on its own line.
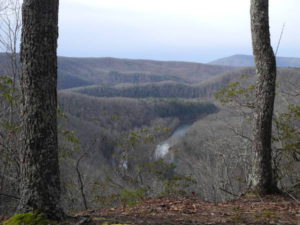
(247,60)
(120,109)
(113,70)
(78,72)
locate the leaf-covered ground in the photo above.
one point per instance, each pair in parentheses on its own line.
(274,210)
(183,211)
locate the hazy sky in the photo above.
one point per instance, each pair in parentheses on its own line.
(189,30)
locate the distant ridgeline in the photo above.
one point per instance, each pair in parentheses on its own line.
(247,60)
(112,71)
(148,90)
(112,108)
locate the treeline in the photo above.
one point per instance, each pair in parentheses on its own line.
(115,77)
(147,90)
(66,81)
(127,113)
(172,89)
(93,69)
(154,90)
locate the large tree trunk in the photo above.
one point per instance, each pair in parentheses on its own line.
(40,181)
(262,177)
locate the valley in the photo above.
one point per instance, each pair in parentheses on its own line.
(155,128)
(147,111)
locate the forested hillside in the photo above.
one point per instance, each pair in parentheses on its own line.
(76,72)
(111,70)
(247,60)
(104,111)
(221,144)
(172,89)
(113,122)
(143,132)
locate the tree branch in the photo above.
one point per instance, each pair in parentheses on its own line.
(10,196)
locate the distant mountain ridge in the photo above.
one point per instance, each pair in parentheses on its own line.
(109,73)
(113,71)
(248,61)
(78,72)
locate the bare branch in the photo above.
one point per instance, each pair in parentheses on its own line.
(281,34)
(81,185)
(10,196)
(228,192)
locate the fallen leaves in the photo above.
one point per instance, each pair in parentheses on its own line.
(191,210)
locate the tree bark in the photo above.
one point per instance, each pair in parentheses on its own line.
(262,177)
(40,181)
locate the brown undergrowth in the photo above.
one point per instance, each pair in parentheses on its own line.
(191,210)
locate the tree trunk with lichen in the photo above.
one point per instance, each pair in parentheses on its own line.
(262,177)
(40,182)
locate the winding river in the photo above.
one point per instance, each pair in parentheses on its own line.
(162,149)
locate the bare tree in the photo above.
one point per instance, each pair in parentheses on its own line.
(262,178)
(10,27)
(40,181)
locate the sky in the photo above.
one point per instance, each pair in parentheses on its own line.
(182,30)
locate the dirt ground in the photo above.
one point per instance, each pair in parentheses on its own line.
(184,211)
(276,210)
